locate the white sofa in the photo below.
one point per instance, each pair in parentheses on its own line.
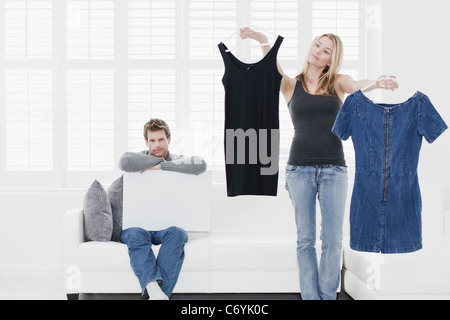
(421,275)
(251,249)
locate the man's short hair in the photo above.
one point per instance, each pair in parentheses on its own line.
(156,125)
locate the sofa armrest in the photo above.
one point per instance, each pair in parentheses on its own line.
(73,236)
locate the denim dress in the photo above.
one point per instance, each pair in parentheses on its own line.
(386,206)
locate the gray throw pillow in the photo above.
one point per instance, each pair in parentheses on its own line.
(98,223)
(115,194)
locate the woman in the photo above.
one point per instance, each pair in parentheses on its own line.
(316,166)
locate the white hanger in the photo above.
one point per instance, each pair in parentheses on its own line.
(388,97)
(254,28)
(387,78)
(406,86)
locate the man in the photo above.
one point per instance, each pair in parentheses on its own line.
(157,277)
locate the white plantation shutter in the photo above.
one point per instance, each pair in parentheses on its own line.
(90,93)
(210,22)
(90,29)
(28,29)
(81,77)
(29,120)
(152,29)
(342,18)
(153,43)
(90,119)
(150,94)
(277,18)
(206,116)
(280,18)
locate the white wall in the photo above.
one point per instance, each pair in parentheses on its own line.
(31,228)
(416,48)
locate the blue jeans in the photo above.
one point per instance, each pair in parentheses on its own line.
(329,184)
(166,268)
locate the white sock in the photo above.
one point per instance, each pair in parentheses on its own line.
(154,291)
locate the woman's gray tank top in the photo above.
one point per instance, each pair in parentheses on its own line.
(314,143)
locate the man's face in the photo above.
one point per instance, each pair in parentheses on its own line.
(158,143)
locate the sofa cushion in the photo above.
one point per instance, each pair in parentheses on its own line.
(98,225)
(419,273)
(113,256)
(115,194)
(226,252)
(106,256)
(231,252)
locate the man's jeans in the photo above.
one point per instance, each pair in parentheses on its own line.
(330,184)
(166,268)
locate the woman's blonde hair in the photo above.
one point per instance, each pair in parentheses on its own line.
(328,78)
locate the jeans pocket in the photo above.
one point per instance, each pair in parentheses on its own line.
(290,168)
(340,169)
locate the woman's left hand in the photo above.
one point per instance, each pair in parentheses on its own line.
(387,83)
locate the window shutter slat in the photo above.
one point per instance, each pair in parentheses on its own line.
(28,29)
(90,117)
(163,62)
(210,22)
(152,29)
(151,94)
(341,18)
(90,30)
(29,121)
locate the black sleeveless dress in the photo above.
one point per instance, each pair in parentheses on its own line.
(252,95)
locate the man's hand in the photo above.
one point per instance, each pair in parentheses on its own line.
(157,167)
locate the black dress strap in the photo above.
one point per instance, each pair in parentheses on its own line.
(276,46)
(273,51)
(222,49)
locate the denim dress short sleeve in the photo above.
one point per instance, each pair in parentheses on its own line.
(431,125)
(343,125)
(386,205)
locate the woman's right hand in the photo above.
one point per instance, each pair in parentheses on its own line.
(387,83)
(247,33)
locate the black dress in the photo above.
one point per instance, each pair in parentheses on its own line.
(252,135)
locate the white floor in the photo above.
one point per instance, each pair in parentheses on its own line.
(43,285)
(48,285)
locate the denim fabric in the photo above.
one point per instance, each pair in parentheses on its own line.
(328,183)
(166,268)
(385,212)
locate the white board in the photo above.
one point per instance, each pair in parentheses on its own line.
(156,200)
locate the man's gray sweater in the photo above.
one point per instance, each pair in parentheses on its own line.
(137,162)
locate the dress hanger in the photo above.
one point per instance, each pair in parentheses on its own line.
(387,97)
(254,28)
(387,78)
